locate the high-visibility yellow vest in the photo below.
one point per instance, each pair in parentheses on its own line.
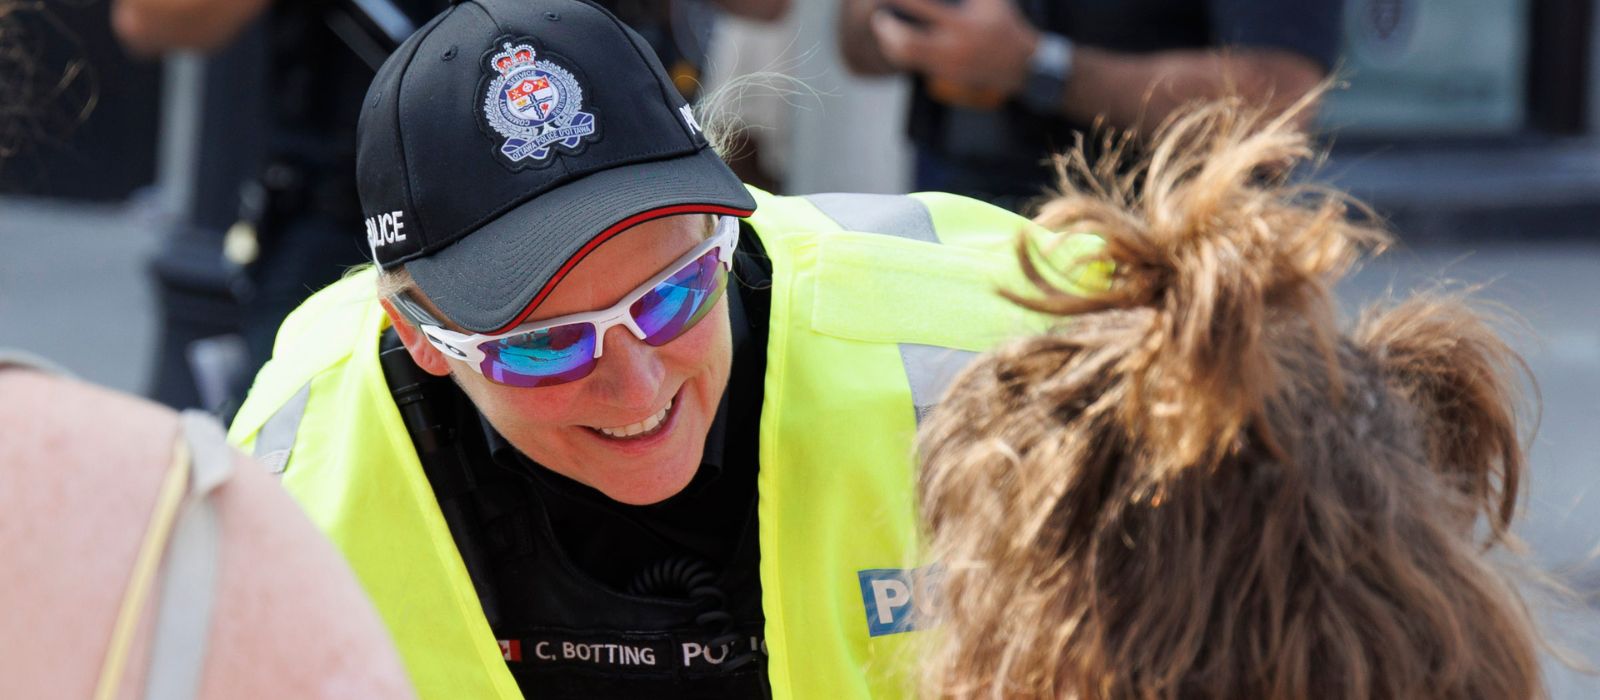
(877,301)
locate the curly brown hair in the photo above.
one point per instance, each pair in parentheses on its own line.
(47,87)
(1199,485)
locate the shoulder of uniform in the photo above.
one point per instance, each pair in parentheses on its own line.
(320,334)
(331,315)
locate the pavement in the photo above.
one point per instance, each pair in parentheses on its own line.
(74,287)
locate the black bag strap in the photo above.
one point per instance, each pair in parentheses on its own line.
(429,412)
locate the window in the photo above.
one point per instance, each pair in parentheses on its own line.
(1432,68)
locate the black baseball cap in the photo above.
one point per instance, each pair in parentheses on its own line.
(507,139)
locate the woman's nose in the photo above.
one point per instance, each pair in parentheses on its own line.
(630,371)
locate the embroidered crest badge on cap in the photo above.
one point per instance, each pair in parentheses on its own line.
(506,140)
(535,104)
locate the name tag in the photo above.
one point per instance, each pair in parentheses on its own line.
(631,653)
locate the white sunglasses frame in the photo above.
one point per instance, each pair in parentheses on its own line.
(466,346)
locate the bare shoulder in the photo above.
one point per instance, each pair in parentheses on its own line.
(79,470)
(80,467)
(299,624)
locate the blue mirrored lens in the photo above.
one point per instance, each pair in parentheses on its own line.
(680,301)
(541,358)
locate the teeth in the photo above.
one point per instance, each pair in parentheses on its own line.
(640,428)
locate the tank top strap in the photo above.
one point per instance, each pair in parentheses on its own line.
(14,358)
(180,548)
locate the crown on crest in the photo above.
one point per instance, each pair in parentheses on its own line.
(512,58)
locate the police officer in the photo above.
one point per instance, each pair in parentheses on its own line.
(292,232)
(604,422)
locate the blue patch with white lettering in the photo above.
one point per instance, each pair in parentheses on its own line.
(897,600)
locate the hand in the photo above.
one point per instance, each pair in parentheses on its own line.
(975,46)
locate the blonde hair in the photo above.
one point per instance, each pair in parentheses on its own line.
(390,282)
(1199,486)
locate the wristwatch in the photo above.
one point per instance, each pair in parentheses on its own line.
(1048,71)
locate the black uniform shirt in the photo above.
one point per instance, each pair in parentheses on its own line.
(593,598)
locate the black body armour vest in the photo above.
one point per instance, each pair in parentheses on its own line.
(680,628)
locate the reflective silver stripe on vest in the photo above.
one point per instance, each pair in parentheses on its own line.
(189,569)
(930,370)
(893,214)
(275,440)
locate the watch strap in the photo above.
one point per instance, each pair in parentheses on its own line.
(1048,70)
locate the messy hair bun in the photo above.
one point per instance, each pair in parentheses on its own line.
(1199,485)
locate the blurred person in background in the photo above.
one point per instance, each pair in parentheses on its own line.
(1202,486)
(299,226)
(603,422)
(1000,85)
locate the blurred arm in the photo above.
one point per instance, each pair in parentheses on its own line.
(764,10)
(986,45)
(859,43)
(153,26)
(1141,90)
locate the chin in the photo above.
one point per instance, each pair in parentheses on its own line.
(633,495)
(667,478)
(658,467)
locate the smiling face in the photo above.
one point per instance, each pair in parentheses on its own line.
(634,428)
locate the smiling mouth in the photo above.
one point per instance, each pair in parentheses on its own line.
(644,428)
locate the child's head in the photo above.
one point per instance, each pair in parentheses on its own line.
(1199,485)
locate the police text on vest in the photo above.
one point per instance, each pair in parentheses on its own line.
(897,600)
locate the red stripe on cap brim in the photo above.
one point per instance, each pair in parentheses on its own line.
(606,235)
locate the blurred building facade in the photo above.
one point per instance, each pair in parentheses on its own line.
(1471,118)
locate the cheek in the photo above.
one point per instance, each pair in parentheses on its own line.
(705,352)
(521,415)
(533,419)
